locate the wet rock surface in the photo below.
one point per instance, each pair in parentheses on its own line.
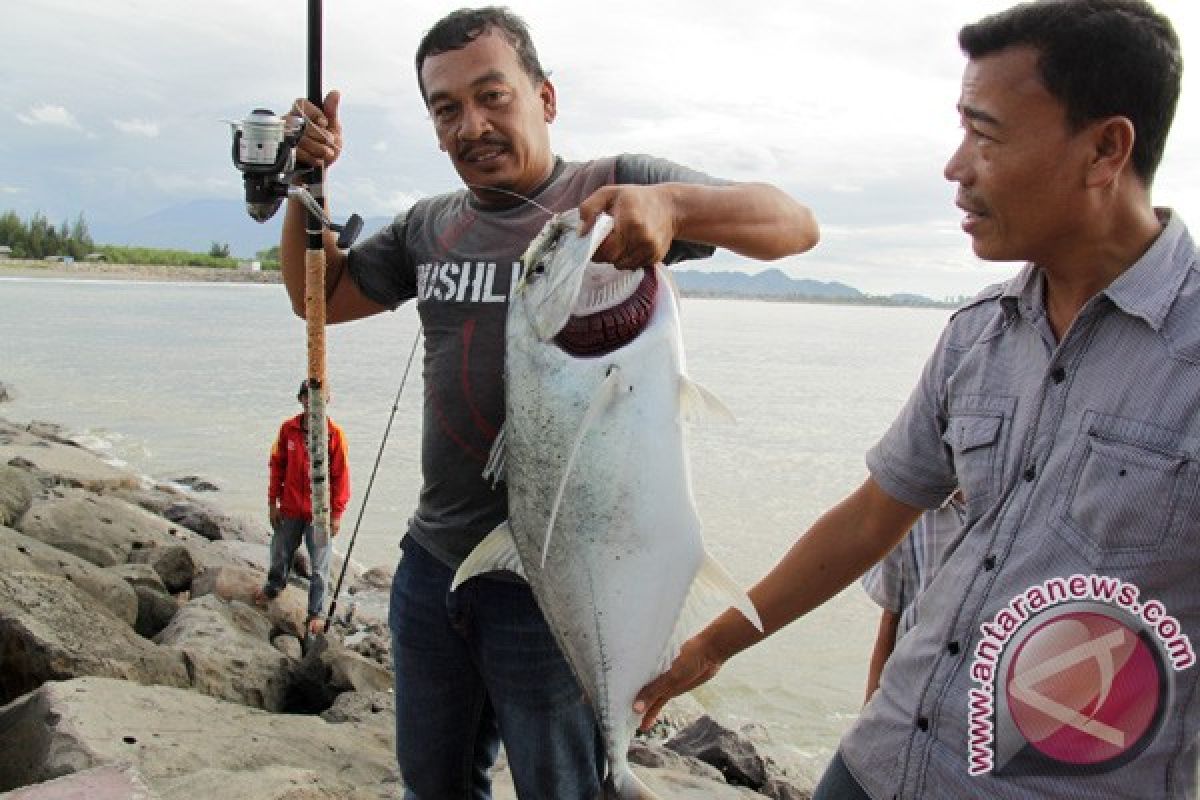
(135,664)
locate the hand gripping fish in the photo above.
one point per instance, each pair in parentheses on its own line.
(602,522)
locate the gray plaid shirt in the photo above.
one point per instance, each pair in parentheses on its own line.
(1054,657)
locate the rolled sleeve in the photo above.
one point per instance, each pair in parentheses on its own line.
(381,265)
(910,462)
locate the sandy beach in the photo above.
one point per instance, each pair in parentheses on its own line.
(18,268)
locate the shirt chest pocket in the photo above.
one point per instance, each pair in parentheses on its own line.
(1127,491)
(975,438)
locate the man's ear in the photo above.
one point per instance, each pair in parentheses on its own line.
(1112,141)
(549,100)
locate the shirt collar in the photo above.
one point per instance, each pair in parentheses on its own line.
(1147,289)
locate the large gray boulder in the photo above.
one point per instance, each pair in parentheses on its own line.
(351,672)
(174,564)
(115,782)
(101,529)
(375,709)
(56,460)
(20,553)
(155,611)
(729,751)
(287,611)
(51,630)
(139,575)
(16,493)
(186,745)
(205,518)
(229,652)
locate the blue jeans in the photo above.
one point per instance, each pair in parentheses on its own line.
(838,784)
(476,666)
(284,543)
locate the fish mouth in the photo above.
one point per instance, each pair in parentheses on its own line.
(612,314)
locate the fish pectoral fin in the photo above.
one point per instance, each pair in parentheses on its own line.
(601,399)
(497,551)
(713,590)
(494,469)
(696,402)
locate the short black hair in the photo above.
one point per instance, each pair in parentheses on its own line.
(1100,58)
(459,28)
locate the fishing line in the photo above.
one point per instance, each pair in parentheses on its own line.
(371,481)
(517,195)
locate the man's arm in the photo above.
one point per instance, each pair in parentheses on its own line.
(339,475)
(755,220)
(276,466)
(321,143)
(885,643)
(838,547)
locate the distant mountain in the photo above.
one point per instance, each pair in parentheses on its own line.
(768,283)
(195,225)
(775,284)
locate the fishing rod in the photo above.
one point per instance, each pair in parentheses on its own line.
(264,149)
(314,310)
(371,482)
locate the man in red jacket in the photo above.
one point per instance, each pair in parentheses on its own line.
(289,504)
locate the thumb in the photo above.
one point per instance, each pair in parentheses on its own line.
(332,101)
(591,208)
(650,701)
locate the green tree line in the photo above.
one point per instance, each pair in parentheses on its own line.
(39,238)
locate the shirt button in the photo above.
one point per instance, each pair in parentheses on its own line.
(923,723)
(1029,474)
(952,648)
(989,563)
(1059,375)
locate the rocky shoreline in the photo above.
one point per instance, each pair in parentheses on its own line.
(134,664)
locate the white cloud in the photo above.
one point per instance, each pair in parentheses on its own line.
(852,112)
(138,127)
(47,114)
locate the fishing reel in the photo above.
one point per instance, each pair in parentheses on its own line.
(264,151)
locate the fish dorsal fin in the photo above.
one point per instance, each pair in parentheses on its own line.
(696,402)
(497,551)
(713,590)
(601,400)
(494,469)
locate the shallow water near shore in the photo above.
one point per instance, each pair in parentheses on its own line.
(183,379)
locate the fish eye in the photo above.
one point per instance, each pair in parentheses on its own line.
(539,268)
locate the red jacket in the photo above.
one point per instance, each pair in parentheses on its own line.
(290,485)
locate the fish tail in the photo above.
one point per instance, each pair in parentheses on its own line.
(624,785)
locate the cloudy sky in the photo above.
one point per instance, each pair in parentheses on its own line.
(113,109)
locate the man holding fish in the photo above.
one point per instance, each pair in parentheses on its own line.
(479,665)
(1054,655)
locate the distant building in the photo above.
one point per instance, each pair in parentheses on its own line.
(250,266)
(95,257)
(5,251)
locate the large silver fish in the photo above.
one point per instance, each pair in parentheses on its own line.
(602,522)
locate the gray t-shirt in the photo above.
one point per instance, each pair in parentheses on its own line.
(461,262)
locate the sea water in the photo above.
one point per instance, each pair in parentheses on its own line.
(195,378)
